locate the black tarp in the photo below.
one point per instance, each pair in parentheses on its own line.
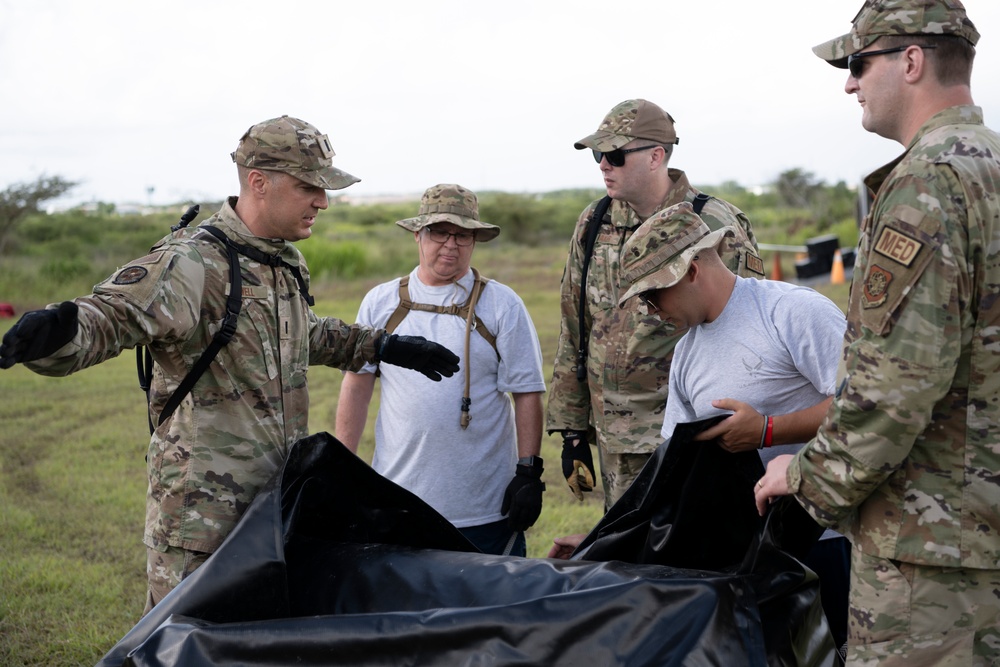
(335,565)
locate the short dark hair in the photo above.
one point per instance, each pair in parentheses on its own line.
(951,59)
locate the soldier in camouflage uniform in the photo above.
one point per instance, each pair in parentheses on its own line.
(907,460)
(627,350)
(208,459)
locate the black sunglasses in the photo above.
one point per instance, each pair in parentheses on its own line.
(856,64)
(616,158)
(647,300)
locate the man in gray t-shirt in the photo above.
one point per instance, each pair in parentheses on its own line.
(468,445)
(763,352)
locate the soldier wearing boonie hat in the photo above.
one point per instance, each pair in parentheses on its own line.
(908,458)
(597,395)
(251,395)
(294,147)
(462,446)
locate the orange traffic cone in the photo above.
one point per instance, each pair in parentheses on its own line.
(837,270)
(776,269)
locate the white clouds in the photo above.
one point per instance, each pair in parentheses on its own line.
(125,95)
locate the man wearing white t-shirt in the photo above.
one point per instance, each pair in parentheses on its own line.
(462,445)
(763,352)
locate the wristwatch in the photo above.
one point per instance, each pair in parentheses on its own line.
(530,461)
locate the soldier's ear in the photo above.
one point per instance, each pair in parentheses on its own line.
(257,181)
(694,269)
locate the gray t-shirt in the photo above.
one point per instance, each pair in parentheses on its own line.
(775,346)
(419,443)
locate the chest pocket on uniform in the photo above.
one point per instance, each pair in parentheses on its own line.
(602,282)
(249,361)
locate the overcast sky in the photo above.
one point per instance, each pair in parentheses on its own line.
(125,96)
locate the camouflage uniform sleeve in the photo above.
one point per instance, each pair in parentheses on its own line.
(333,342)
(153,298)
(908,310)
(569,399)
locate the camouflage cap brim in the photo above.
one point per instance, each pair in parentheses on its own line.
(603,141)
(328,178)
(484,230)
(670,272)
(837,50)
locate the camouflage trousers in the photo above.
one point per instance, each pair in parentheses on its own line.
(903,614)
(618,471)
(166,569)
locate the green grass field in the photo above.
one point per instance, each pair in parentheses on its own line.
(72,478)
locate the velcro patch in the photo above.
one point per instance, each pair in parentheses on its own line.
(876,289)
(754,263)
(130,275)
(324,146)
(251,291)
(897,246)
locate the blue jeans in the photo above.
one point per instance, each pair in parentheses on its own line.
(492,538)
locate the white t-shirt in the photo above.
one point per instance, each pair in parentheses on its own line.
(775,346)
(419,442)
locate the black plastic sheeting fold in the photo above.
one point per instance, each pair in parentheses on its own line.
(334,565)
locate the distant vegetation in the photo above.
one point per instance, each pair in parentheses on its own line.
(46,257)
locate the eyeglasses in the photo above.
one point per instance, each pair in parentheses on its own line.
(441,236)
(856,64)
(647,301)
(616,158)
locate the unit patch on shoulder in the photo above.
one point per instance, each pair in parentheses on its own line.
(898,246)
(754,263)
(130,275)
(876,287)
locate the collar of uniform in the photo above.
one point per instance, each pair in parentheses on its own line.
(231,224)
(956,115)
(623,216)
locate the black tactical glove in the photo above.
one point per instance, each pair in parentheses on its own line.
(419,354)
(578,463)
(523,497)
(38,334)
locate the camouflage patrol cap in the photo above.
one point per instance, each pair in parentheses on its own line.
(629,120)
(879,18)
(294,147)
(452,203)
(660,252)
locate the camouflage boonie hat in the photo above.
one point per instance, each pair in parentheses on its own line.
(879,18)
(660,252)
(452,203)
(294,147)
(632,119)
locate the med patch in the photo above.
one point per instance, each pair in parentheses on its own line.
(898,246)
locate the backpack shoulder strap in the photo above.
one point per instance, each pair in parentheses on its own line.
(227,329)
(406,304)
(403,308)
(593,227)
(470,310)
(699,202)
